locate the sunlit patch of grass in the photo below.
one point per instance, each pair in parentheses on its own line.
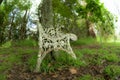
(6,44)
(112,44)
(113,40)
(85,41)
(108,42)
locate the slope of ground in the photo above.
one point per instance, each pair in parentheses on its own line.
(94,62)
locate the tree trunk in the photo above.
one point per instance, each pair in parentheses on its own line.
(1,1)
(46,13)
(23,26)
(11,27)
(90,29)
(46,18)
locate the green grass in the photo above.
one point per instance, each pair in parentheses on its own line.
(112,70)
(85,41)
(89,77)
(107,52)
(32,62)
(85,77)
(111,57)
(26,42)
(62,60)
(2,76)
(6,45)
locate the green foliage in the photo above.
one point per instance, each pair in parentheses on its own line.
(14,58)
(116,44)
(85,77)
(95,12)
(3,68)
(2,77)
(112,71)
(94,7)
(27,42)
(68,60)
(85,41)
(64,8)
(1,15)
(65,12)
(91,11)
(32,62)
(112,57)
(11,16)
(87,56)
(89,77)
(62,60)
(6,44)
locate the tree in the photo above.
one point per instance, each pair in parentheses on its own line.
(46,14)
(65,15)
(1,1)
(93,12)
(14,17)
(46,19)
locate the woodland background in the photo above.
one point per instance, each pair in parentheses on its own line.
(97,49)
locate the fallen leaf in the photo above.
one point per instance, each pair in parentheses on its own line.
(55,75)
(38,78)
(73,71)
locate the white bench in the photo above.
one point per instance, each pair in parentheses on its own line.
(53,39)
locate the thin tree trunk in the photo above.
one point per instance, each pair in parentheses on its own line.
(1,1)
(23,26)
(11,27)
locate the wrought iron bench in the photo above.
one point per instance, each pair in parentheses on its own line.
(53,39)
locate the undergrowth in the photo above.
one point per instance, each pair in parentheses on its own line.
(85,57)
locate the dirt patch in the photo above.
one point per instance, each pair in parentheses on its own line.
(67,73)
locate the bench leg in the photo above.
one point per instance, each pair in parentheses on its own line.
(41,56)
(70,51)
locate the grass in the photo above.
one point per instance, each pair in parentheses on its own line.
(85,41)
(112,70)
(2,77)
(108,53)
(27,42)
(111,57)
(85,77)
(89,77)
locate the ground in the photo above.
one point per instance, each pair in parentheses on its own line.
(94,62)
